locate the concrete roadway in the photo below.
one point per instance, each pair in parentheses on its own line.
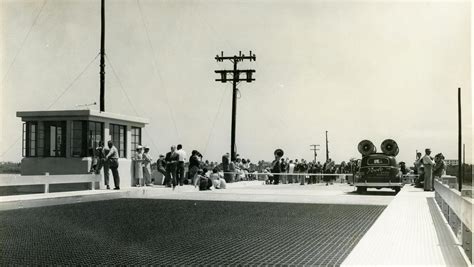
(256,191)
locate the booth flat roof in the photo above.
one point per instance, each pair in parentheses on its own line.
(80,113)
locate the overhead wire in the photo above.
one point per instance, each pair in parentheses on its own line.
(54,102)
(24,40)
(74,81)
(215,119)
(155,67)
(128,99)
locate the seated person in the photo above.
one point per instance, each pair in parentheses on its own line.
(217,180)
(203,182)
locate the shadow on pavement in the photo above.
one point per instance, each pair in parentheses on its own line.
(374,192)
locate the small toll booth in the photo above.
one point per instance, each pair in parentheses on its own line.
(64,141)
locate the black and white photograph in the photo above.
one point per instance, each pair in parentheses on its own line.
(236,133)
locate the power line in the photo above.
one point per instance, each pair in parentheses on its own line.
(24,41)
(72,83)
(214,122)
(155,67)
(128,99)
(54,102)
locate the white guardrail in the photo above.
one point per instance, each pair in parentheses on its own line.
(46,180)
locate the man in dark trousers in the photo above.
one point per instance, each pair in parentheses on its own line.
(112,160)
(171,160)
(182,159)
(225,168)
(276,166)
(161,167)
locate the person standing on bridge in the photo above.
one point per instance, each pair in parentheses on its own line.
(290,171)
(112,160)
(182,159)
(439,167)
(171,167)
(161,167)
(276,166)
(147,166)
(138,166)
(428,164)
(226,167)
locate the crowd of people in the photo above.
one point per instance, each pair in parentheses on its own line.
(177,169)
(286,170)
(173,168)
(428,168)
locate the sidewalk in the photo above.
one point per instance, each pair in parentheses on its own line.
(410,231)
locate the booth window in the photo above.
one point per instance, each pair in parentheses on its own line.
(118,134)
(30,137)
(55,138)
(86,136)
(136,138)
(77,145)
(94,136)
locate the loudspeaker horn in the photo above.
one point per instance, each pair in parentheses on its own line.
(279,152)
(390,147)
(366,148)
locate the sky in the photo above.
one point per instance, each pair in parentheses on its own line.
(357,69)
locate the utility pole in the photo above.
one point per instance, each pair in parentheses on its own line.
(102,56)
(315,148)
(327,147)
(235,79)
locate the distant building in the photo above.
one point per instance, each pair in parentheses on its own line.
(63,141)
(451,162)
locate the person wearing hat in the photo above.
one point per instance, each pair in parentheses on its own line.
(138,165)
(276,166)
(428,164)
(147,166)
(440,166)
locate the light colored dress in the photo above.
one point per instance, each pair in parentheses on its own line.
(138,165)
(147,167)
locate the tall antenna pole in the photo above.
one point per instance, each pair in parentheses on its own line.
(459,141)
(102,56)
(327,147)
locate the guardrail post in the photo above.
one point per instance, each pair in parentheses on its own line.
(46,184)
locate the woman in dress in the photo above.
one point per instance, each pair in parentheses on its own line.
(147,167)
(138,166)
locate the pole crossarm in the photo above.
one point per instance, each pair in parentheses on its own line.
(240,57)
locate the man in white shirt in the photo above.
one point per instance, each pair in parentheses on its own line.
(182,159)
(291,169)
(112,159)
(428,170)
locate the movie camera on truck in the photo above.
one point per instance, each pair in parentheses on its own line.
(378,170)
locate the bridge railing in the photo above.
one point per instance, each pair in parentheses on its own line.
(299,176)
(46,180)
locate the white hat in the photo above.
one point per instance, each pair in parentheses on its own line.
(139,147)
